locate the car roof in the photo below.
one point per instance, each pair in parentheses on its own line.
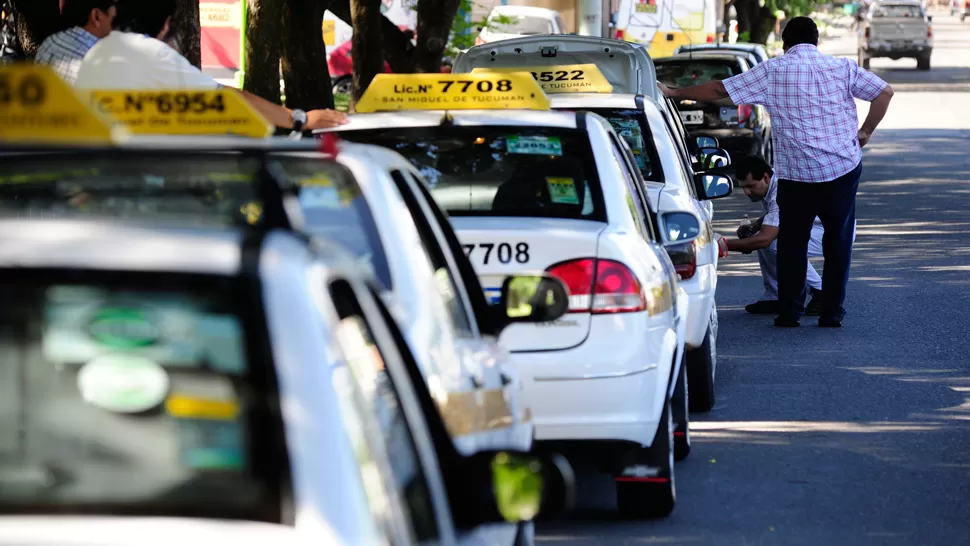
(705,55)
(432,118)
(524,10)
(741,46)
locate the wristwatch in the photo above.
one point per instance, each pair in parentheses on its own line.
(299,119)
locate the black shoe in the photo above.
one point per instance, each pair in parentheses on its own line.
(787,322)
(763,307)
(830,322)
(814,306)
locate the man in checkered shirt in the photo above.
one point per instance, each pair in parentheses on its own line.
(85,22)
(818,156)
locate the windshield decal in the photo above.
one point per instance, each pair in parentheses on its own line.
(123,383)
(562,190)
(538,145)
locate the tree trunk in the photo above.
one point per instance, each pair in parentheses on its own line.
(189,31)
(304,61)
(263,32)
(754,22)
(399,52)
(367,44)
(36,20)
(435,18)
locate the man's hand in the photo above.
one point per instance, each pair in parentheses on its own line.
(668,92)
(864,137)
(722,246)
(324,119)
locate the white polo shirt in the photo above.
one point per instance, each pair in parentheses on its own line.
(127,60)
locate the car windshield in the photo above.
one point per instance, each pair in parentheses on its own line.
(122,396)
(631,125)
(897,10)
(501,171)
(520,24)
(688,72)
(203,189)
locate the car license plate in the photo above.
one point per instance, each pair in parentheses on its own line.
(692,118)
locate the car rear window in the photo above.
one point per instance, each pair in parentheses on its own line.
(688,72)
(202,189)
(897,10)
(501,171)
(519,24)
(631,125)
(135,397)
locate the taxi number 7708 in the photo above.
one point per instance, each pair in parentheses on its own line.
(505,253)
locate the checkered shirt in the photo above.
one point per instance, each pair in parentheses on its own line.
(814,122)
(64,51)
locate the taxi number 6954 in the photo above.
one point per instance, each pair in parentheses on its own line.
(505,253)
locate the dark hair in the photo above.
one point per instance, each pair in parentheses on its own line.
(77,12)
(800,30)
(144,16)
(753,165)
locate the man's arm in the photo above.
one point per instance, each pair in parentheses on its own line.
(877,110)
(712,91)
(760,240)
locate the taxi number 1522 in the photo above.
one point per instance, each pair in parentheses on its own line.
(505,253)
(558,75)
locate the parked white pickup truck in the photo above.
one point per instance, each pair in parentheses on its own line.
(896,29)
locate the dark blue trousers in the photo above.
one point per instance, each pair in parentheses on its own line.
(798,205)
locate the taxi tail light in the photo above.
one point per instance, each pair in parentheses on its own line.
(684,258)
(330,144)
(745,111)
(620,34)
(710,38)
(600,286)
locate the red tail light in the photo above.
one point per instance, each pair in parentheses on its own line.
(710,38)
(620,34)
(600,286)
(745,112)
(684,258)
(330,144)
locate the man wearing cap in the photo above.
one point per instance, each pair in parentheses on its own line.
(85,22)
(818,156)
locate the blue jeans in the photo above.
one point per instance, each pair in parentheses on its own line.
(798,205)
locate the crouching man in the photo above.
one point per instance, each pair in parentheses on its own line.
(759,183)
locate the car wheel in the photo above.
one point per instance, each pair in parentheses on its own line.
(923,63)
(653,497)
(701,365)
(343,86)
(681,409)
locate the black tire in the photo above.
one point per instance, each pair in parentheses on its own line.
(653,499)
(701,366)
(681,413)
(923,63)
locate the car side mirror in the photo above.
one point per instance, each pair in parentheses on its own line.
(714,158)
(707,142)
(713,185)
(510,486)
(679,227)
(533,298)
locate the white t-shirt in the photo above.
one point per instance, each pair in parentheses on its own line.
(127,60)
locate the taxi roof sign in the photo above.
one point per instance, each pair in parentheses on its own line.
(182,112)
(38,107)
(480,91)
(571,78)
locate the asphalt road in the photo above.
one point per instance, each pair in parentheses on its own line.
(856,436)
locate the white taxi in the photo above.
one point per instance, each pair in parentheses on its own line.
(617,80)
(529,189)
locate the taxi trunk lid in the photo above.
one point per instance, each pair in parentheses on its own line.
(898,29)
(501,246)
(627,66)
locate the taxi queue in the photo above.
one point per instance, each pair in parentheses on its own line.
(403,330)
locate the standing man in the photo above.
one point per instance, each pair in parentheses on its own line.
(85,22)
(818,156)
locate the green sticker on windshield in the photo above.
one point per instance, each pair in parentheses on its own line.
(562,190)
(537,145)
(123,328)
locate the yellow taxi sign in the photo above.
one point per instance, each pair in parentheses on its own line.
(486,91)
(183,112)
(571,78)
(38,107)
(188,407)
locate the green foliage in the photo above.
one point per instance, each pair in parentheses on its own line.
(464,29)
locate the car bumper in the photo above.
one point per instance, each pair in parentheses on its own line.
(700,291)
(898,52)
(612,387)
